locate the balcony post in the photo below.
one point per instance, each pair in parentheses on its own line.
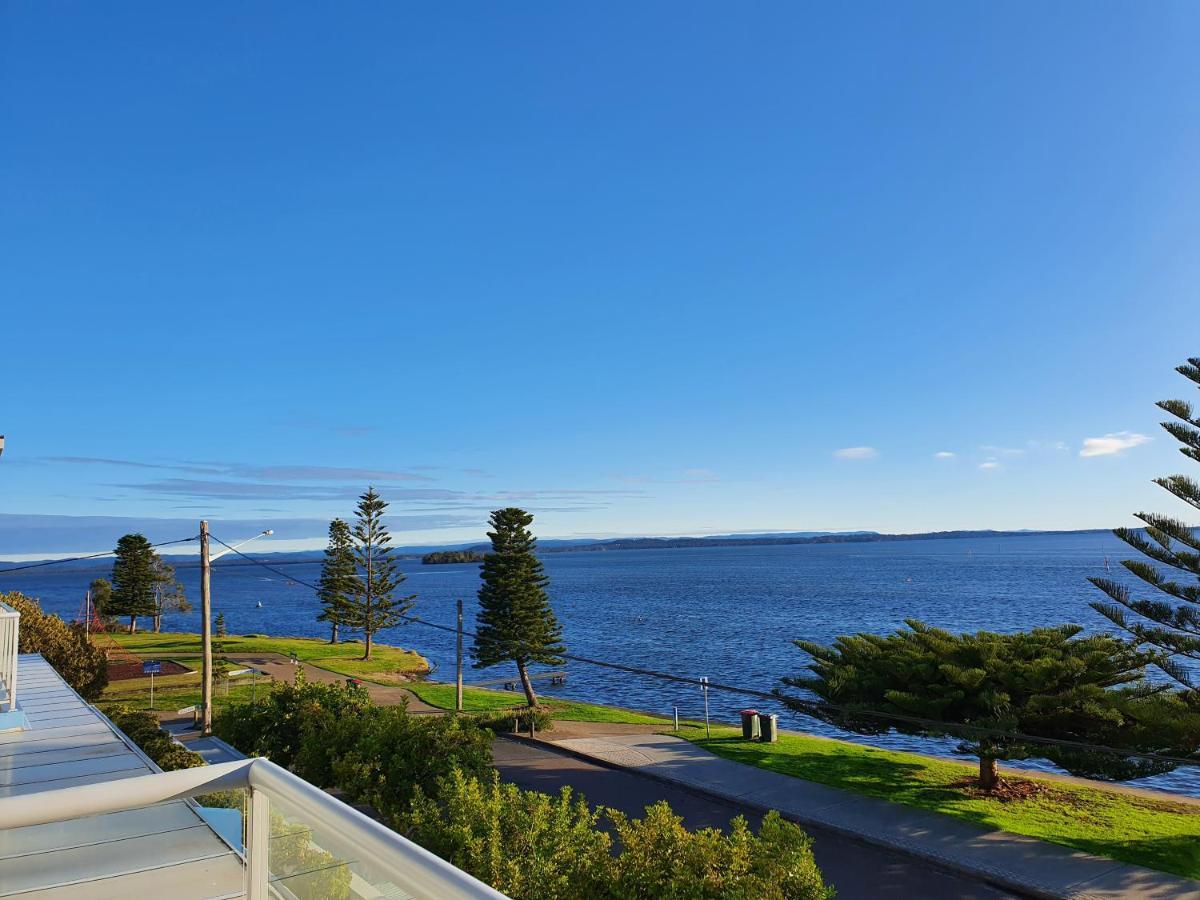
(258,844)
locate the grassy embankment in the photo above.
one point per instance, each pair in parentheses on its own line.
(484,700)
(387,665)
(1148,831)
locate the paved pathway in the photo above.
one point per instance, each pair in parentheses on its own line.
(859,871)
(1012,860)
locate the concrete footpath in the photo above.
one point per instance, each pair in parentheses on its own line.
(1013,861)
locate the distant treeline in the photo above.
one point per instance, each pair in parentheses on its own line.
(441,557)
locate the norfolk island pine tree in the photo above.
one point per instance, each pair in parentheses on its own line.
(336,583)
(515,621)
(371,605)
(1169,619)
(134,580)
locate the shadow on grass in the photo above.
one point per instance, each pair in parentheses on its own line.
(864,773)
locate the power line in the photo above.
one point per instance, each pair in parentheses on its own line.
(55,562)
(819,710)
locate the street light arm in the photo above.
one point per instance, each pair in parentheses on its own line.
(216,556)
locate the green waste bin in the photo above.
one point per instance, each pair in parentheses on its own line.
(768,728)
(750,724)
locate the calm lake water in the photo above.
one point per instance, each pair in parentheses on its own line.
(728,613)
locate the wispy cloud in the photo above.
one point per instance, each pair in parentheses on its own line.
(242,470)
(198,489)
(856,453)
(990,465)
(322,473)
(945,454)
(1112,444)
(699,475)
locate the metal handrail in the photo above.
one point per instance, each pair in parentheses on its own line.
(410,867)
(10,630)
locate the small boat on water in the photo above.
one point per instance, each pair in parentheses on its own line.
(258,605)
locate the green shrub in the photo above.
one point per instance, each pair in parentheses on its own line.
(332,736)
(275,726)
(523,843)
(531,846)
(384,761)
(142,728)
(502,720)
(661,860)
(83,666)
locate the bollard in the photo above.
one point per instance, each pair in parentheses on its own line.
(676,718)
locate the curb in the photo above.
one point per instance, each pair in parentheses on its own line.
(988,876)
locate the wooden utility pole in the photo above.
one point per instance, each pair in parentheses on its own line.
(205,633)
(458,705)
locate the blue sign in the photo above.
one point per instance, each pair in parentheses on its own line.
(152,667)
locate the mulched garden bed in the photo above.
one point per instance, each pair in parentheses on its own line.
(122,669)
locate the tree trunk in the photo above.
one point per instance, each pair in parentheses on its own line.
(526,684)
(333,636)
(157,624)
(367,651)
(989,776)
(132,624)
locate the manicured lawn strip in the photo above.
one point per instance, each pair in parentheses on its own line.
(1159,834)
(484,700)
(386,666)
(175,697)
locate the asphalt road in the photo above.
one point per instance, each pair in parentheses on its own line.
(857,870)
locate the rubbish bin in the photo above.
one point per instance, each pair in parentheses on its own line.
(749,724)
(768,727)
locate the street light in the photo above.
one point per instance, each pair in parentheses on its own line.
(206,621)
(267,533)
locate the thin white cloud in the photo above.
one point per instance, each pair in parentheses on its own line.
(945,454)
(990,465)
(1112,444)
(856,453)
(699,475)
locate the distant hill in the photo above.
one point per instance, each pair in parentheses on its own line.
(852,537)
(578,545)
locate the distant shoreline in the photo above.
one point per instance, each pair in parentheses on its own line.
(670,543)
(855,538)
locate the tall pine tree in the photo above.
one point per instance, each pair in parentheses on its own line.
(371,605)
(1170,618)
(134,580)
(336,583)
(515,621)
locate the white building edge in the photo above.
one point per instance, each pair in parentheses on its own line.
(85,814)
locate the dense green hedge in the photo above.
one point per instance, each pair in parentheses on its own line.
(332,736)
(82,665)
(142,728)
(531,846)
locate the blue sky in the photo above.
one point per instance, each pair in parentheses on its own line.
(642,268)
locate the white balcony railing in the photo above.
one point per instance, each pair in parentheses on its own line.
(10,627)
(361,856)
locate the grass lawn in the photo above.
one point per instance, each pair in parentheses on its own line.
(484,700)
(1159,834)
(387,665)
(175,692)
